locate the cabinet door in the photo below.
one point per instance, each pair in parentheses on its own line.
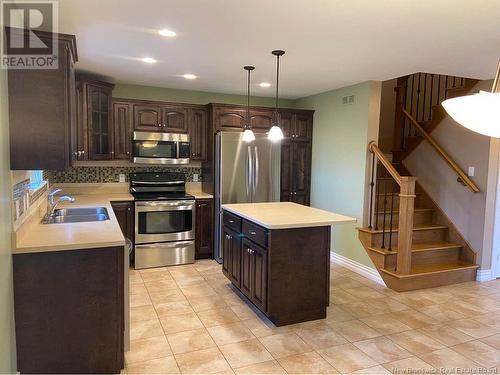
(261,120)
(286,184)
(230,118)
(72,110)
(174,119)
(198,134)
(303,127)
(301,165)
(286,124)
(259,276)
(122,130)
(246,268)
(226,252)
(147,118)
(124,212)
(99,123)
(235,267)
(81,123)
(203,237)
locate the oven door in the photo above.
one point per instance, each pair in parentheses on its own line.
(161,221)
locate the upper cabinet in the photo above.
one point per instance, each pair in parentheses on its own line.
(147,117)
(174,119)
(95,127)
(198,133)
(155,117)
(229,118)
(42,110)
(122,130)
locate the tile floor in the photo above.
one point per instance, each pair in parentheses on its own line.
(189,320)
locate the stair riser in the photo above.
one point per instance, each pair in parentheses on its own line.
(419,258)
(420,217)
(419,236)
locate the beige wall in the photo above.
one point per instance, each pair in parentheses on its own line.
(7,337)
(387,111)
(465,209)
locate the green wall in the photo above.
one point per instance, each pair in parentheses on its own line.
(7,337)
(129,91)
(340,138)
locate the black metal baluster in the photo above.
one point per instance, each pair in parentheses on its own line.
(392,213)
(425,97)
(418,103)
(372,184)
(432,91)
(411,102)
(385,210)
(446,88)
(376,202)
(439,90)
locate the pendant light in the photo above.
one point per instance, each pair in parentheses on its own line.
(478,112)
(275,133)
(248,135)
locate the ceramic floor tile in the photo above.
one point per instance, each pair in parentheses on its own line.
(138,288)
(245,353)
(413,319)
(493,341)
(416,342)
(364,292)
(162,275)
(211,318)
(146,349)
(387,304)
(285,344)
(207,361)
(347,358)
(198,291)
(165,365)
(184,273)
(190,282)
(446,335)
(361,309)
(142,313)
(230,333)
(448,358)
(209,302)
(466,308)
(180,322)
(384,325)
(413,363)
(339,297)
(382,350)
(321,336)
(479,352)
(441,313)
(137,300)
(375,370)
(166,296)
(354,330)
(245,312)
(472,328)
(337,314)
(268,367)
(189,341)
(145,328)
(306,363)
(346,282)
(173,308)
(264,327)
(160,285)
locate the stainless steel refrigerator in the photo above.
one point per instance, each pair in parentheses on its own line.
(244,173)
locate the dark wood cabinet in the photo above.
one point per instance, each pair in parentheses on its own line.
(261,120)
(228,118)
(259,276)
(147,117)
(303,127)
(124,212)
(198,133)
(42,111)
(203,229)
(69,311)
(174,119)
(157,117)
(122,130)
(231,255)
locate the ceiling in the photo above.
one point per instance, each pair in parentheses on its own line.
(328,43)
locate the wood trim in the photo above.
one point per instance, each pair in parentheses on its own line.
(386,163)
(405,226)
(461,174)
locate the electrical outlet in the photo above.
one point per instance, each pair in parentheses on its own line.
(349,99)
(195,177)
(471,171)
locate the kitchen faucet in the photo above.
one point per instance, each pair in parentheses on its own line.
(52,204)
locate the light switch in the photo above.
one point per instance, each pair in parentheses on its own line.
(471,171)
(195,177)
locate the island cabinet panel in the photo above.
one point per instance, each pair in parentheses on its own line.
(204,229)
(69,311)
(283,272)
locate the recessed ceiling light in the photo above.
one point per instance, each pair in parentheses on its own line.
(189,76)
(166,32)
(264,84)
(148,60)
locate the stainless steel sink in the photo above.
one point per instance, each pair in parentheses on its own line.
(77,215)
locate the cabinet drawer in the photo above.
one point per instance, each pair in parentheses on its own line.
(255,233)
(232,221)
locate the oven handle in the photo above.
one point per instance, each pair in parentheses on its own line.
(157,182)
(167,244)
(165,204)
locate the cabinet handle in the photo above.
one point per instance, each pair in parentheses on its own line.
(128,153)
(83,152)
(253,233)
(231,221)
(248,250)
(76,153)
(128,209)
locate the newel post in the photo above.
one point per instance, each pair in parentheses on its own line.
(405,231)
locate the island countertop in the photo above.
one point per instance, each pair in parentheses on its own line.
(284,215)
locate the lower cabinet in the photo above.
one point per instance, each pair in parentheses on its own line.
(124,212)
(231,256)
(203,229)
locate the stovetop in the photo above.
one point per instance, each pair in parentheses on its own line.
(162,196)
(155,186)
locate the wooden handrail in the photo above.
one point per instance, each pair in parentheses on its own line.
(386,163)
(447,158)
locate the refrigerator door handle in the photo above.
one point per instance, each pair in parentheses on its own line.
(249,173)
(256,172)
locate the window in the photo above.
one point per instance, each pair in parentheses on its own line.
(36,179)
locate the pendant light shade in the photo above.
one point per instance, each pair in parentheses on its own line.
(248,135)
(478,112)
(275,133)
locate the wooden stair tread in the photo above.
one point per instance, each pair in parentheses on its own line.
(416,227)
(397,211)
(427,269)
(419,247)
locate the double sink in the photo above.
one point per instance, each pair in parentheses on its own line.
(77,215)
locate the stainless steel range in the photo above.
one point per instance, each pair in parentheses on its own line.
(164,220)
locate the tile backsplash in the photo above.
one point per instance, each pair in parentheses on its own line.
(111,174)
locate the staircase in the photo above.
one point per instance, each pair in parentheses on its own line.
(408,237)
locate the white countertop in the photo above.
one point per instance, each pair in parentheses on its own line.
(34,237)
(283,215)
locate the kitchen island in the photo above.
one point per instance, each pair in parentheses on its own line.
(278,255)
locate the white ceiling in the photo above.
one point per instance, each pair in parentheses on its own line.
(328,43)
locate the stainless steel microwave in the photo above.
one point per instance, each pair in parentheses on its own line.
(160,148)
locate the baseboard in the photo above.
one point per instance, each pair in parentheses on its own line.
(485,275)
(361,269)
